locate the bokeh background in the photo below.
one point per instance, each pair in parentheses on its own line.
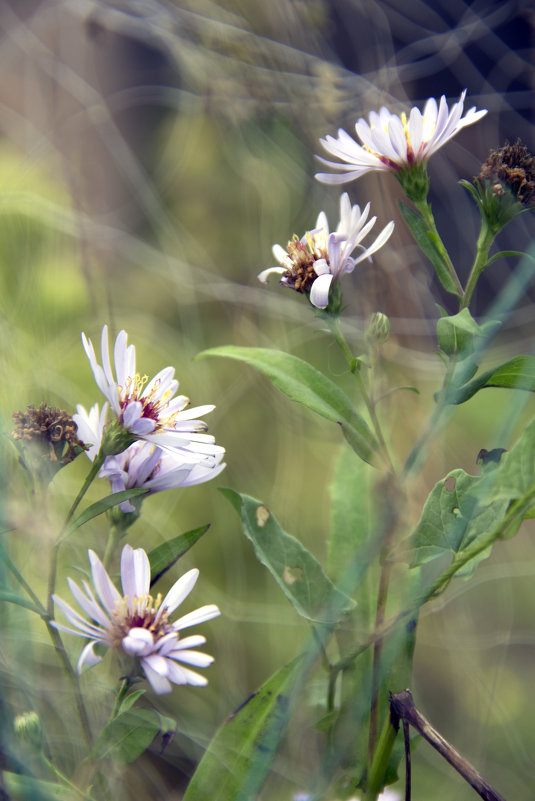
(151,152)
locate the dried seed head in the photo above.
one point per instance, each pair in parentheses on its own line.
(511,166)
(52,430)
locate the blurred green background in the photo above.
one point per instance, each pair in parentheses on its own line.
(151,155)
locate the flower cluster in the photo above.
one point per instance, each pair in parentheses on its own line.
(312,263)
(157,442)
(136,623)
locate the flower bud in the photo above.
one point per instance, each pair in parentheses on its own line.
(28,730)
(377,329)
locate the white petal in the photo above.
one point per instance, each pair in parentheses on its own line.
(102,583)
(135,572)
(159,684)
(87,657)
(200,615)
(319,292)
(180,590)
(265,274)
(138,642)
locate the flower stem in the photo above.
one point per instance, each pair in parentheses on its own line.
(336,331)
(82,712)
(381,757)
(425,210)
(114,536)
(484,241)
(59,775)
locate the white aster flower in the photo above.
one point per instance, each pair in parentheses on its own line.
(137,623)
(145,466)
(142,464)
(392,142)
(312,263)
(148,411)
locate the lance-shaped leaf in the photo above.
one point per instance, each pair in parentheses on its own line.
(165,555)
(301,382)
(518,373)
(296,571)
(99,507)
(427,242)
(237,760)
(457,512)
(14,598)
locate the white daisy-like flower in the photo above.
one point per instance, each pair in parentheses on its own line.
(148,411)
(137,623)
(392,142)
(312,263)
(145,466)
(142,464)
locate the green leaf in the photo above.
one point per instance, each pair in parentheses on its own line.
(26,788)
(237,760)
(457,512)
(427,242)
(517,373)
(128,702)
(165,555)
(514,476)
(457,334)
(294,568)
(127,736)
(505,254)
(102,506)
(14,598)
(303,383)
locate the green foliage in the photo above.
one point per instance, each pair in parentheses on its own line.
(294,568)
(164,556)
(127,736)
(14,598)
(458,334)
(236,763)
(27,788)
(454,516)
(517,373)
(427,242)
(99,507)
(303,383)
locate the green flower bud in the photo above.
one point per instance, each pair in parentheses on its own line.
(377,329)
(28,730)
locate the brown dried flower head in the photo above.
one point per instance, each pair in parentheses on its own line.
(513,167)
(51,429)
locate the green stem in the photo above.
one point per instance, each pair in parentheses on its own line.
(73,676)
(484,241)
(53,632)
(336,331)
(123,689)
(425,210)
(381,758)
(114,536)
(59,775)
